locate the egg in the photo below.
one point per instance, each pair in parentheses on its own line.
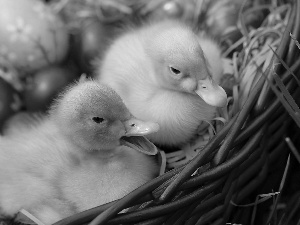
(169,9)
(90,42)
(44,86)
(9,101)
(222,17)
(32,35)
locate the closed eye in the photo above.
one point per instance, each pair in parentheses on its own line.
(97,119)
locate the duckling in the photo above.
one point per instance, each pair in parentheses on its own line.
(80,155)
(165,73)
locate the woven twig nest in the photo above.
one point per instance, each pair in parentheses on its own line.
(233,163)
(240,157)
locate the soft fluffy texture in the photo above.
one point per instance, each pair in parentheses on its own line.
(139,66)
(52,172)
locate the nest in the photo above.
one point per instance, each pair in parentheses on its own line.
(220,182)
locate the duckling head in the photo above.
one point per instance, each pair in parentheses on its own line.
(179,61)
(95,118)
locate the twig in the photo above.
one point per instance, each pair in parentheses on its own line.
(295,40)
(280,190)
(293,149)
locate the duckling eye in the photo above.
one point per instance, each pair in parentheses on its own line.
(97,119)
(175,71)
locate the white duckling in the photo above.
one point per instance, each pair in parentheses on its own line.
(79,156)
(160,70)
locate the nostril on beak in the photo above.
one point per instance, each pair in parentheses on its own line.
(132,125)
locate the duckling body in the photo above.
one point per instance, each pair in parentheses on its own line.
(160,70)
(52,172)
(111,176)
(30,164)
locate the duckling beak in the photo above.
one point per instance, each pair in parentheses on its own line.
(211,92)
(135,129)
(140,143)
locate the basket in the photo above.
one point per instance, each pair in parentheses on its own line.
(237,163)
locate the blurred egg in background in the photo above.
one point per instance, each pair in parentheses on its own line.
(32,35)
(9,101)
(45,85)
(90,42)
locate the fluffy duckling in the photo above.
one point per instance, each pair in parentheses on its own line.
(167,74)
(83,154)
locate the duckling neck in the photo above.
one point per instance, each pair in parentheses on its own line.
(104,153)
